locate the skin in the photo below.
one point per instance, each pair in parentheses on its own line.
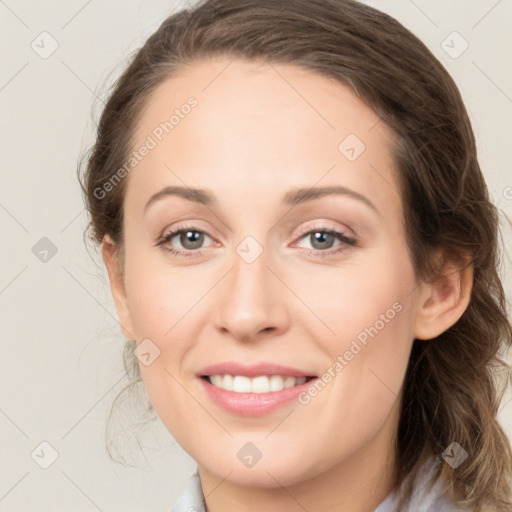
(257,132)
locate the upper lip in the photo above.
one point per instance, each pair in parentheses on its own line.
(234,368)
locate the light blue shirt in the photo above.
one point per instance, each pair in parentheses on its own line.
(192,500)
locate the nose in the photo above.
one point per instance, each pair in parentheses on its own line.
(252,301)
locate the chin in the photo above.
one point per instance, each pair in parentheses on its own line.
(270,473)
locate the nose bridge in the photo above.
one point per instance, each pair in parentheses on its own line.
(251,301)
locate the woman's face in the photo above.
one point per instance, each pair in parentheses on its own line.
(273,271)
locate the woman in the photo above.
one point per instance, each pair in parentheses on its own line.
(359,376)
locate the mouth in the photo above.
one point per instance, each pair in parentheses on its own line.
(258,385)
(254,390)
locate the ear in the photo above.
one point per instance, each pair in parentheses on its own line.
(117,287)
(443,300)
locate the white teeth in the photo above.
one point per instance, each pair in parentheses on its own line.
(241,384)
(276,383)
(227,382)
(261,384)
(289,382)
(216,380)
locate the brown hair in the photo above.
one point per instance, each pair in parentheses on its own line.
(451,391)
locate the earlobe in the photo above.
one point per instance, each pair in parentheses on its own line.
(443,300)
(117,285)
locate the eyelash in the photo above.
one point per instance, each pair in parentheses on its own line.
(346,241)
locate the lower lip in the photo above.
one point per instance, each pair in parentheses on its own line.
(253,404)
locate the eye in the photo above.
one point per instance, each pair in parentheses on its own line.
(322,239)
(190,238)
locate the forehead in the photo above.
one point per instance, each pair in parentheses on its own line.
(261,127)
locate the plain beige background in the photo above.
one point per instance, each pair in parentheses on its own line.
(60,356)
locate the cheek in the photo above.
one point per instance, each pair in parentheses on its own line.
(165,307)
(369,317)
(162,300)
(363,301)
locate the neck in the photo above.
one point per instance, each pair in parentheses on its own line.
(359,483)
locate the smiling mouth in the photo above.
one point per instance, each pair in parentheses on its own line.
(259,384)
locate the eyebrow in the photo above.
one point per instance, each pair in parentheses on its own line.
(293,197)
(301,195)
